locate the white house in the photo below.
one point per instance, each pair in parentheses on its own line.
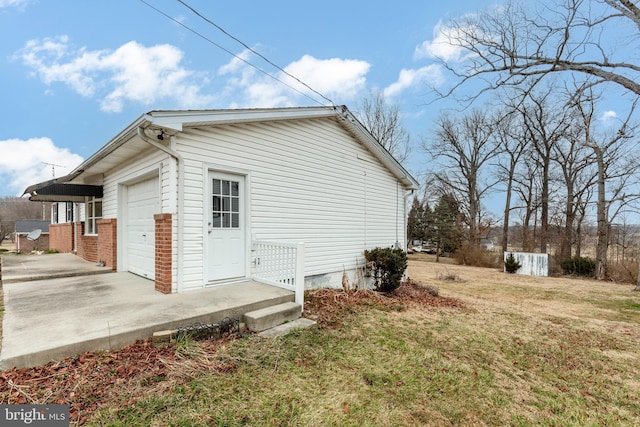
(191,199)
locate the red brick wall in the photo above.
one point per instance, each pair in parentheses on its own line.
(87,245)
(27,245)
(61,237)
(107,242)
(163,231)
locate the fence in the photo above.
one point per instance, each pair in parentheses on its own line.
(531,264)
(280,264)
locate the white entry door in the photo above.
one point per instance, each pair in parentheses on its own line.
(226,227)
(142,204)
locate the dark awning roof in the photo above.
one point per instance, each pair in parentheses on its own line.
(60,190)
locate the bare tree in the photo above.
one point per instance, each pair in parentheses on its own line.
(16,208)
(545,124)
(512,145)
(574,160)
(616,155)
(528,190)
(384,122)
(465,146)
(521,41)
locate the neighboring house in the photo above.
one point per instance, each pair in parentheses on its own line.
(26,231)
(197,198)
(487,244)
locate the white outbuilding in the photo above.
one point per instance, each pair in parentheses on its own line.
(191,199)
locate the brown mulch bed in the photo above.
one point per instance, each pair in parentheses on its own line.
(330,307)
(112,379)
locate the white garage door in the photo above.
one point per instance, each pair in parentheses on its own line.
(142,204)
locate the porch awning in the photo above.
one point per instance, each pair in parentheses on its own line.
(60,190)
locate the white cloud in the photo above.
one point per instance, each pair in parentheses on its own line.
(20,4)
(338,79)
(131,73)
(23,162)
(609,117)
(431,75)
(443,46)
(332,77)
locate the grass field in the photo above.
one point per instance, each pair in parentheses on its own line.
(519,351)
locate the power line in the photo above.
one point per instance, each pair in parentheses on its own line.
(252,50)
(239,57)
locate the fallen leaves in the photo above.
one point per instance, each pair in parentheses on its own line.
(330,306)
(94,380)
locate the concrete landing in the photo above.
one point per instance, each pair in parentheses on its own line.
(24,268)
(46,320)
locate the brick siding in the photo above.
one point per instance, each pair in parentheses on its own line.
(107,242)
(87,245)
(61,237)
(25,245)
(163,258)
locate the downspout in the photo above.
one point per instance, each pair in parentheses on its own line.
(405,222)
(179,202)
(74,219)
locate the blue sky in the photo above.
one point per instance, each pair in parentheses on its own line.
(75,73)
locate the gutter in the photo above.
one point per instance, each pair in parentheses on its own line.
(179,201)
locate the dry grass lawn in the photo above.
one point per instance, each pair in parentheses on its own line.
(493,350)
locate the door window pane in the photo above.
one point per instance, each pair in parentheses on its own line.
(225,204)
(216,220)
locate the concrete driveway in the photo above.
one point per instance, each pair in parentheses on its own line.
(51,316)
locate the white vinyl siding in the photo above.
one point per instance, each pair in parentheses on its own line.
(310,182)
(62,212)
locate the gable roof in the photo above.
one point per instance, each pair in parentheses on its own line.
(170,122)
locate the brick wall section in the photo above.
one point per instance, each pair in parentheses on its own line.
(163,261)
(87,245)
(26,246)
(61,237)
(107,242)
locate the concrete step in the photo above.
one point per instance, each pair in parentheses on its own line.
(285,328)
(268,317)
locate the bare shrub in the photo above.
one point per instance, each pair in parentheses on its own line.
(625,271)
(475,256)
(447,276)
(432,290)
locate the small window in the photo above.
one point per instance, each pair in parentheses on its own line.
(54,213)
(226,204)
(69,212)
(94,213)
